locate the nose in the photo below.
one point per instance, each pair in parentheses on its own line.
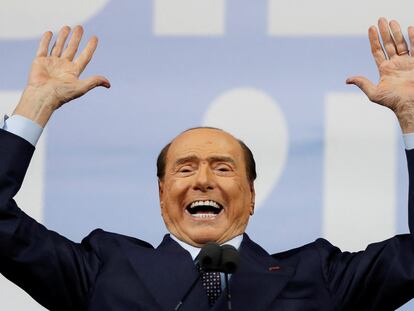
(204,179)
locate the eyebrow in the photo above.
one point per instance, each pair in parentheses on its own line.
(193,158)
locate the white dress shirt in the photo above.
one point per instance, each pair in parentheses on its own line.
(235,242)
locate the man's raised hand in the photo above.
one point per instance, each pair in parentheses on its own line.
(54,76)
(395,63)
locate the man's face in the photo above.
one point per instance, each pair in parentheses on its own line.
(205,194)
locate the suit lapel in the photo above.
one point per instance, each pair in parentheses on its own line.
(168,272)
(259,279)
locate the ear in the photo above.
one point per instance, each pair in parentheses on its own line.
(161,192)
(253,198)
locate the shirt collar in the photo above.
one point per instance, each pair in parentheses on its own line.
(3,121)
(235,242)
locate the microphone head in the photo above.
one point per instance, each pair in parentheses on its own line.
(209,257)
(229,259)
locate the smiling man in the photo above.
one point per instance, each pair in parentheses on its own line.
(206,189)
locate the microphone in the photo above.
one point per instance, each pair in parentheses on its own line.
(209,258)
(215,258)
(229,259)
(229,263)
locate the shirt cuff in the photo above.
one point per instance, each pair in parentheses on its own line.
(22,127)
(408,141)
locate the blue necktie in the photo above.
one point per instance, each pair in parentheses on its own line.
(212,284)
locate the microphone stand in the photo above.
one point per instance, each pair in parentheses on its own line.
(213,257)
(226,278)
(178,306)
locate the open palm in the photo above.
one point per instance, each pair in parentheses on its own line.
(395,88)
(57,75)
(54,77)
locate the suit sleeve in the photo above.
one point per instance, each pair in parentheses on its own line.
(55,271)
(379,278)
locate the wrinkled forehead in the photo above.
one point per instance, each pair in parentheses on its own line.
(204,142)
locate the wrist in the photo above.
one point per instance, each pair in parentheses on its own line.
(405,116)
(36,106)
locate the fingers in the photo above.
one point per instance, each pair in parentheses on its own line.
(60,41)
(365,85)
(92,82)
(411,38)
(73,44)
(400,43)
(86,55)
(376,47)
(387,40)
(392,38)
(58,49)
(43,49)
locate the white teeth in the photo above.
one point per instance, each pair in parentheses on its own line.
(204,215)
(207,202)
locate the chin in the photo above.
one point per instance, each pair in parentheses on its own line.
(205,236)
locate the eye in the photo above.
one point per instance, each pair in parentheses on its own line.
(223,168)
(185,169)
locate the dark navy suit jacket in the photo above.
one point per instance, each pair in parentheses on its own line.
(108,271)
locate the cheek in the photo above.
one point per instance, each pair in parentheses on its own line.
(174,193)
(239,194)
(245,200)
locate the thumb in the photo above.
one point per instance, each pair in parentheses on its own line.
(90,83)
(364,84)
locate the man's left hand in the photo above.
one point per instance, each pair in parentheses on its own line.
(395,63)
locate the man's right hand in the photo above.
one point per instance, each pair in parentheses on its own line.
(54,78)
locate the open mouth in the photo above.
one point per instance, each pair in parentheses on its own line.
(204,209)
